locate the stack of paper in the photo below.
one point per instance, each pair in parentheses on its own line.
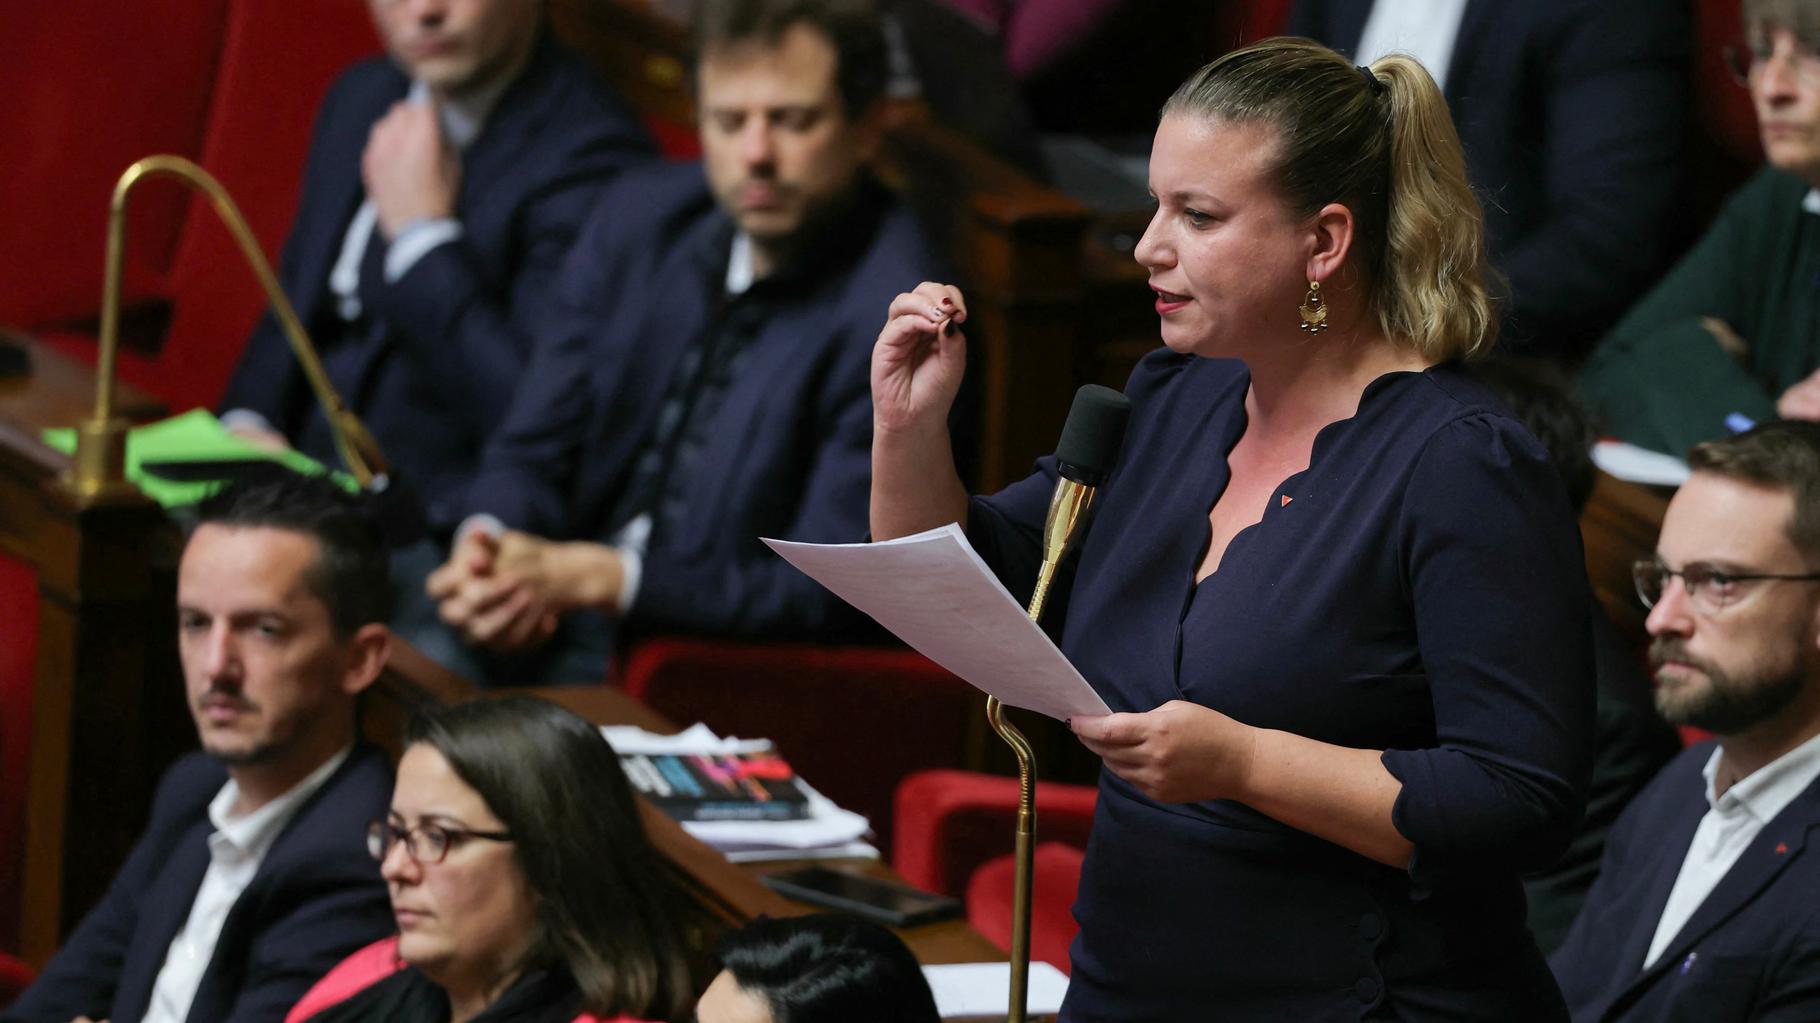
(828,831)
(983,990)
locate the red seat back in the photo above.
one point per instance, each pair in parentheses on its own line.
(277,62)
(853,721)
(86,88)
(18,648)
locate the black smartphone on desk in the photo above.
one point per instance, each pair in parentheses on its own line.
(885,902)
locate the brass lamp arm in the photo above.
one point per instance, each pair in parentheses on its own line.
(98,471)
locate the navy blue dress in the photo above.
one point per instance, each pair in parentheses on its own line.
(1418,589)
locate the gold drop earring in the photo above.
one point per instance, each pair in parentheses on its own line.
(1313,310)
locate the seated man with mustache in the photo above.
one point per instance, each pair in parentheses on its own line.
(252,878)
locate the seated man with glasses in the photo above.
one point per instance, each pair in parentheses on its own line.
(1731,336)
(251,879)
(1707,905)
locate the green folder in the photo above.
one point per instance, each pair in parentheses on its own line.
(194,436)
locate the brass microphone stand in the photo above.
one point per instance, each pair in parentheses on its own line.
(98,470)
(1067,508)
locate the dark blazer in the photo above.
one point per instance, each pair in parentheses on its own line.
(1750,952)
(434,370)
(1573,117)
(317,896)
(788,453)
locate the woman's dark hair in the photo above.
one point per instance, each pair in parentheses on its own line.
(852,27)
(1381,142)
(1542,400)
(828,969)
(351,575)
(606,911)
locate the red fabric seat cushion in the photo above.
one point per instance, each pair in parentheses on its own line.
(950,822)
(1056,876)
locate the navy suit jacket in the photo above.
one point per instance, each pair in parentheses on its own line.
(434,375)
(1751,952)
(789,450)
(1573,117)
(316,897)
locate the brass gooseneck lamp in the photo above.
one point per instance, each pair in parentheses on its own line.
(98,471)
(1084,456)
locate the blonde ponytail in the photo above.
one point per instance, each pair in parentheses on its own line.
(1432,291)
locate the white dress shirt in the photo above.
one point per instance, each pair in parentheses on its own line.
(236,849)
(1729,827)
(1424,29)
(462,121)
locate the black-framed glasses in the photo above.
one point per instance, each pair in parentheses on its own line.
(1708,588)
(425,843)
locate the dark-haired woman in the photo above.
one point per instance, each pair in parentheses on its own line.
(1333,591)
(523,885)
(816,969)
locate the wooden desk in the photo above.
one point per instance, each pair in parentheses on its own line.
(105,708)
(728,894)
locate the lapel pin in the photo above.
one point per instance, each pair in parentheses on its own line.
(1781,848)
(1688,963)
(1285,501)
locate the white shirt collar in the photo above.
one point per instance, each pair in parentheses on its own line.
(1811,201)
(253,833)
(1769,789)
(463,118)
(739,264)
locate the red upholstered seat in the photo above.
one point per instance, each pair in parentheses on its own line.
(948,823)
(86,88)
(851,720)
(14,977)
(956,832)
(18,647)
(1052,928)
(277,60)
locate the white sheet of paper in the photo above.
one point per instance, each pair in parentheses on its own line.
(983,990)
(933,592)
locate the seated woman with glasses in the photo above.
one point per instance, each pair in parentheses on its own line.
(524,887)
(1731,336)
(816,969)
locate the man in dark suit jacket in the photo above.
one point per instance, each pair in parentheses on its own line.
(1707,905)
(1573,117)
(707,383)
(443,190)
(252,878)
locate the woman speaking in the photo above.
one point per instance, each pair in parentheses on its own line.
(1333,591)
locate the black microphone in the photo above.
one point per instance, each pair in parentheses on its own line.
(1084,457)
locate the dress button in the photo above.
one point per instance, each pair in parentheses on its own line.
(1366,988)
(1370,926)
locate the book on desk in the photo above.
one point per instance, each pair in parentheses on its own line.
(746,786)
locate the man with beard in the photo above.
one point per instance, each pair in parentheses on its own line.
(1707,904)
(252,878)
(703,380)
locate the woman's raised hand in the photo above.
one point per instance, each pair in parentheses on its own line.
(919,359)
